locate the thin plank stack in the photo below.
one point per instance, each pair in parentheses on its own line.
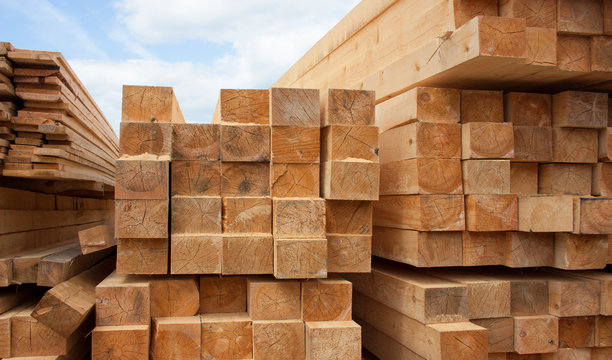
(227,220)
(60,133)
(9,103)
(494,144)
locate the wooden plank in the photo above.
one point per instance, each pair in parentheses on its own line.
(96,238)
(529,249)
(483,248)
(602,180)
(326,300)
(295,144)
(140,219)
(248,254)
(482,106)
(421,176)
(247,215)
(5,326)
(145,138)
(150,104)
(176,338)
(138,179)
(500,334)
(577,332)
(583,17)
(227,294)
(142,256)
(196,254)
(580,109)
(70,304)
(131,339)
(25,265)
(333,339)
(294,180)
(523,178)
(533,143)
(528,109)
(348,253)
(348,217)
(278,339)
(27,220)
(300,218)
(435,341)
(245,179)
(580,252)
(536,334)
(421,140)
(270,299)
(196,142)
(568,179)
(249,143)
(227,336)
(574,145)
(421,212)
(350,180)
(545,213)
(300,258)
(347,107)
(195,178)
(174,296)
(63,265)
(491,212)
(196,215)
(398,280)
(545,15)
(421,249)
(437,105)
(486,176)
(382,345)
(244,106)
(344,142)
(574,53)
(294,107)
(123,300)
(487,140)
(590,215)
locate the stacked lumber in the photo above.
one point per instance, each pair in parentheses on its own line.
(59,134)
(227,221)
(228,317)
(9,103)
(494,144)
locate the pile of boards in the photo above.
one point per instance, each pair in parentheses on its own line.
(55,130)
(494,151)
(56,231)
(266,199)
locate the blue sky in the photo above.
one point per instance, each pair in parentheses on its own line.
(195,46)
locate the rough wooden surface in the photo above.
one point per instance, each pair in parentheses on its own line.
(96,238)
(227,336)
(248,254)
(294,180)
(523,178)
(421,212)
(141,219)
(348,253)
(196,254)
(145,138)
(605,144)
(580,109)
(249,143)
(326,300)
(295,144)
(348,217)
(421,176)
(577,332)
(483,248)
(282,339)
(300,258)
(486,176)
(482,106)
(574,145)
(196,215)
(294,107)
(487,140)
(602,180)
(195,178)
(528,109)
(583,17)
(500,333)
(142,256)
(579,252)
(175,338)
(545,213)
(150,104)
(247,215)
(304,217)
(533,144)
(333,340)
(569,179)
(123,300)
(119,342)
(529,249)
(174,296)
(421,140)
(591,215)
(544,15)
(138,179)
(244,106)
(491,212)
(343,142)
(350,180)
(536,334)
(225,294)
(270,299)
(245,179)
(343,106)
(195,142)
